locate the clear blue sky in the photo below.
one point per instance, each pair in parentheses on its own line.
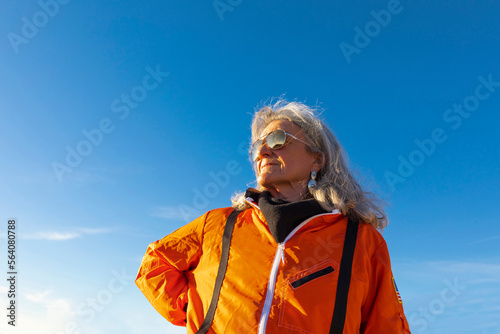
(156,98)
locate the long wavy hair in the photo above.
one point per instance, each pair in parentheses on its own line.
(336,187)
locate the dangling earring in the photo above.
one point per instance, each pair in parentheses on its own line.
(312,183)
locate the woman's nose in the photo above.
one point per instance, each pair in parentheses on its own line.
(264,151)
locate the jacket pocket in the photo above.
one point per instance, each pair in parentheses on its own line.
(308,297)
(310,277)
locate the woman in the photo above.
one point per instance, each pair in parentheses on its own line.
(299,254)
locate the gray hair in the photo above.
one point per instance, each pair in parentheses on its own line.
(336,187)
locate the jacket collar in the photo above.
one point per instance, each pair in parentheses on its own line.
(283,217)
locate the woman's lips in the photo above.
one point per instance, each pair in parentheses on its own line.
(267,164)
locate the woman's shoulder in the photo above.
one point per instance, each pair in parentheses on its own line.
(217,216)
(369,235)
(219,212)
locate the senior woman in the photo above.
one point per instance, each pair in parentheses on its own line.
(299,254)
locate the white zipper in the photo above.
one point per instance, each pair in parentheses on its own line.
(280,255)
(270,289)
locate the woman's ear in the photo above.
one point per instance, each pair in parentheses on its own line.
(319,161)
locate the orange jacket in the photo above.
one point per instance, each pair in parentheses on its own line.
(262,291)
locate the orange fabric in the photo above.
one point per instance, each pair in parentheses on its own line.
(181,268)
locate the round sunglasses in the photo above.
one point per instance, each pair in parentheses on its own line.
(274,140)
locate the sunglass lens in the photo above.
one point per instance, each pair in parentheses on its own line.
(255,149)
(276,139)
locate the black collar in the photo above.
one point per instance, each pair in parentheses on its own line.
(282,216)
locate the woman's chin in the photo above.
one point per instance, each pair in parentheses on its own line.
(266,181)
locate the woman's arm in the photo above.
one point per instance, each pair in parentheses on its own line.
(162,277)
(382,312)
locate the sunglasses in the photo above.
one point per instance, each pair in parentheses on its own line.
(274,140)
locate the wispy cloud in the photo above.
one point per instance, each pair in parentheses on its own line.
(167,212)
(39,297)
(61,236)
(96,230)
(83,175)
(52,236)
(52,313)
(494,237)
(438,294)
(56,308)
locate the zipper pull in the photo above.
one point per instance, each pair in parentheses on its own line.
(282,249)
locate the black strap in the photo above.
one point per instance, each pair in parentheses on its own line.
(344,281)
(226,242)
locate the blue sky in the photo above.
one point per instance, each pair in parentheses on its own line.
(156,99)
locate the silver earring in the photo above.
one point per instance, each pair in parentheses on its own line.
(312,183)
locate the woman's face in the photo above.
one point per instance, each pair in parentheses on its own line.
(288,168)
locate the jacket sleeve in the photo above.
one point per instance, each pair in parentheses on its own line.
(382,312)
(162,278)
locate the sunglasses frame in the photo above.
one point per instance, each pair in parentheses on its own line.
(263,141)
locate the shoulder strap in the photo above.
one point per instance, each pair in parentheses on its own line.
(226,242)
(339,312)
